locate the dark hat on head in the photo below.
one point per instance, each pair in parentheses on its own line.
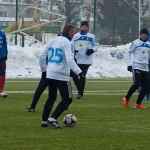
(84,23)
(144,31)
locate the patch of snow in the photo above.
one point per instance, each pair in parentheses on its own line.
(107,62)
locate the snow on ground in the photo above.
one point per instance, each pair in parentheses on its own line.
(23,62)
(108,62)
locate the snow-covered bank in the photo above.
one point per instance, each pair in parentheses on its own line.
(23,62)
(108,62)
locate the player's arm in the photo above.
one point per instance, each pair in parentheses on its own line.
(95,44)
(73,44)
(70,59)
(129,56)
(149,61)
(75,51)
(43,59)
(5,44)
(94,48)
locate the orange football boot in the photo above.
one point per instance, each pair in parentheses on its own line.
(126,102)
(139,106)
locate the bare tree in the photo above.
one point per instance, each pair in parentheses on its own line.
(87,7)
(36,19)
(145,13)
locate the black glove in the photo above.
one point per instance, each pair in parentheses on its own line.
(130,68)
(89,52)
(44,75)
(72,74)
(76,51)
(81,76)
(3,60)
(149,66)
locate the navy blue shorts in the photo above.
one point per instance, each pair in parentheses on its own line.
(2,68)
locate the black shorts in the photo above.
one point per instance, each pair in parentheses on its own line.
(141,79)
(2,68)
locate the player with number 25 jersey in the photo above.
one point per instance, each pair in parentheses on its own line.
(60,62)
(60,59)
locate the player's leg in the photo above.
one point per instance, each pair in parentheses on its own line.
(52,95)
(147,97)
(40,89)
(144,90)
(66,99)
(137,75)
(2,78)
(84,69)
(76,80)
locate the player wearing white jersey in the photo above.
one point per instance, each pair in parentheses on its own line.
(84,45)
(60,62)
(138,60)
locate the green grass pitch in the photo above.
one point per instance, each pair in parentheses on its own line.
(103,123)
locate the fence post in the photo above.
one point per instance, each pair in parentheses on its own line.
(16,21)
(95,16)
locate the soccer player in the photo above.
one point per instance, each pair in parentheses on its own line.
(3,58)
(84,45)
(138,59)
(43,84)
(60,62)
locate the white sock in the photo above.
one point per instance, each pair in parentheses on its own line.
(44,122)
(52,119)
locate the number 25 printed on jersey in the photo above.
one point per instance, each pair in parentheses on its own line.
(56,55)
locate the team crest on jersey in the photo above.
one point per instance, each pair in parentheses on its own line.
(144,53)
(81,45)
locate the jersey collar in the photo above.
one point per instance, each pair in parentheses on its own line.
(83,32)
(64,34)
(143,40)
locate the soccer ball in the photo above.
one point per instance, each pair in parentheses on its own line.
(70,120)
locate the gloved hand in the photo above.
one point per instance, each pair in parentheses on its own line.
(81,75)
(72,74)
(130,68)
(76,51)
(3,60)
(89,52)
(149,66)
(44,74)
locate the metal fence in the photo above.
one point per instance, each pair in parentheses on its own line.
(114,22)
(117,21)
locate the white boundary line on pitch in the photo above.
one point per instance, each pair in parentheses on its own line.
(95,91)
(71,81)
(98,92)
(86,93)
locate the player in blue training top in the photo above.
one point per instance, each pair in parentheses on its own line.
(84,45)
(3,58)
(138,60)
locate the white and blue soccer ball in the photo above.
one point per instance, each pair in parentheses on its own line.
(70,120)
